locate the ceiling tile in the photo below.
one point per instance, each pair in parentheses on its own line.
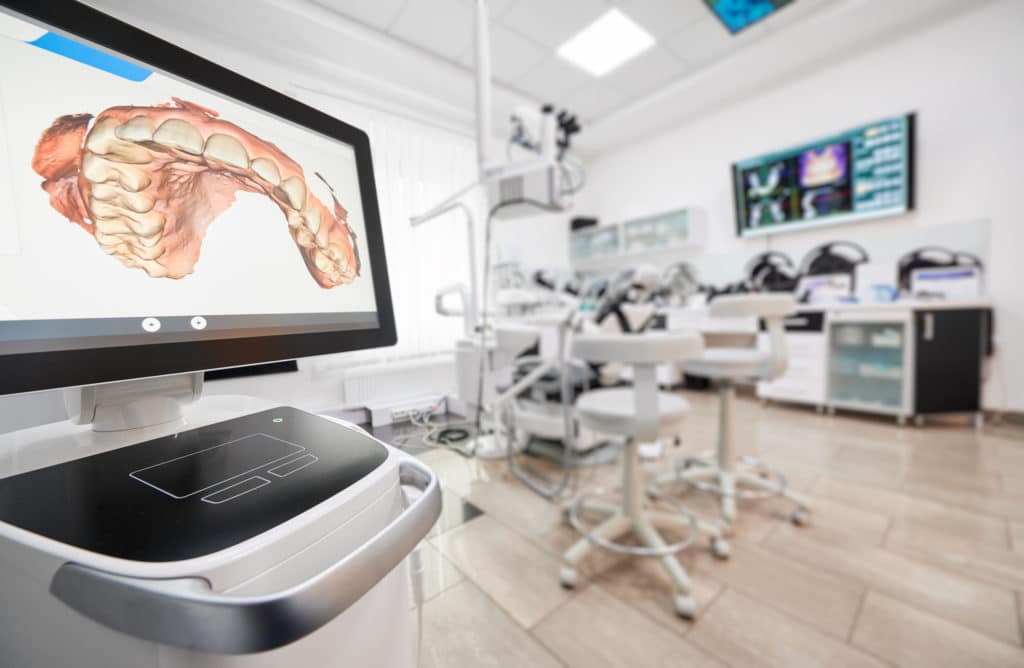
(647,72)
(595,101)
(495,8)
(553,22)
(512,55)
(708,40)
(444,27)
(378,13)
(553,81)
(664,17)
(794,13)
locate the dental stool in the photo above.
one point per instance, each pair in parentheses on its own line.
(639,414)
(722,473)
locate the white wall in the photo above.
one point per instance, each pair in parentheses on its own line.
(963,77)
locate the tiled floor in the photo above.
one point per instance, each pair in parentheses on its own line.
(915,557)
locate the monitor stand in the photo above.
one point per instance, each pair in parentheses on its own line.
(133,404)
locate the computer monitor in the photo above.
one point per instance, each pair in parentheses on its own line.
(160,214)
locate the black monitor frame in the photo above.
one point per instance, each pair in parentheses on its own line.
(30,372)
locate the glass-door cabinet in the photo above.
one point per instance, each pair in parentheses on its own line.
(870,363)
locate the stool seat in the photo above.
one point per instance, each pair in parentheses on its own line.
(612,411)
(733,363)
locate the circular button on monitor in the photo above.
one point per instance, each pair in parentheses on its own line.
(198,322)
(151,325)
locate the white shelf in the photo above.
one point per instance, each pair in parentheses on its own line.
(865,406)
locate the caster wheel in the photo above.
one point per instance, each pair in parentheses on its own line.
(567,577)
(686,606)
(801,517)
(720,548)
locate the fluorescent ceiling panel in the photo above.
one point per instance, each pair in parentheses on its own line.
(607,43)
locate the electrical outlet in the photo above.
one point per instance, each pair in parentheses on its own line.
(405,410)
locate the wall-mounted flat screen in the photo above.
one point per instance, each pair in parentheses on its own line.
(866,172)
(736,15)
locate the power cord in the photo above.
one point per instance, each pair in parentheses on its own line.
(449,436)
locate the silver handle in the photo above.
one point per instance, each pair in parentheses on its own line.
(185,613)
(929,326)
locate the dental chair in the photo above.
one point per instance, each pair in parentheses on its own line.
(639,414)
(724,474)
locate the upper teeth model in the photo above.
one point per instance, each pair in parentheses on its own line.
(146,182)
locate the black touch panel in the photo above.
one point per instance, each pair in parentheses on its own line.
(193,493)
(184,476)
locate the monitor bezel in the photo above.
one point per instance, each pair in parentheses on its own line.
(29,372)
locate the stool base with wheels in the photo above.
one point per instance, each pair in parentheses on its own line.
(724,474)
(733,478)
(641,414)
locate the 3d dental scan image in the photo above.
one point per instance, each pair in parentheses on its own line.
(146,182)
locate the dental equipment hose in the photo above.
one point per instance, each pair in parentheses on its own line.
(488,227)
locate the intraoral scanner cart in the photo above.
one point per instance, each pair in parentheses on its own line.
(200,221)
(273,539)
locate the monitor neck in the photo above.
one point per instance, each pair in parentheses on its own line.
(133,404)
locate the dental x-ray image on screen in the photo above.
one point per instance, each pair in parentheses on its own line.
(862,173)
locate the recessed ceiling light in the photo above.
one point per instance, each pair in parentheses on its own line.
(607,43)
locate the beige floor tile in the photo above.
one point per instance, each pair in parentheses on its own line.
(438,573)
(1017,533)
(743,631)
(823,600)
(997,504)
(956,476)
(457,473)
(644,586)
(1000,566)
(596,629)
(906,508)
(854,523)
(975,604)
(908,637)
(463,627)
(454,511)
(1013,481)
(1020,611)
(861,461)
(515,505)
(516,573)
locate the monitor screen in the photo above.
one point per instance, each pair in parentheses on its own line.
(862,173)
(160,214)
(736,15)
